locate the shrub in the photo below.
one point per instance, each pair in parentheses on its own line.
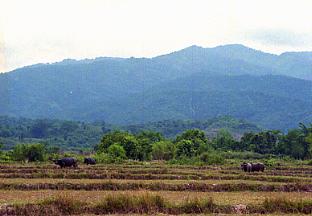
(246,155)
(117,152)
(163,150)
(212,158)
(29,152)
(309,162)
(271,162)
(102,158)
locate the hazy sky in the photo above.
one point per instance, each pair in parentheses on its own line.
(43,31)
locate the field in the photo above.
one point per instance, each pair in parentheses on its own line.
(153,188)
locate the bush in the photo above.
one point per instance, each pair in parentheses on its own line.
(117,152)
(29,152)
(212,158)
(246,155)
(6,156)
(309,162)
(102,158)
(163,150)
(271,162)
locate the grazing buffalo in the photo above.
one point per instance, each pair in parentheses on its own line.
(252,167)
(90,161)
(257,167)
(66,162)
(247,167)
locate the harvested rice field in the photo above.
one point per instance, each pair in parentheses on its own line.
(35,189)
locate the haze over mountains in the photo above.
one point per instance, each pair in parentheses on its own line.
(274,91)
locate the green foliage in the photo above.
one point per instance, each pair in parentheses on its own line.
(185,148)
(146,145)
(210,78)
(224,140)
(296,143)
(146,139)
(211,158)
(128,141)
(263,142)
(67,135)
(117,152)
(245,155)
(28,152)
(137,147)
(74,136)
(102,158)
(194,135)
(191,143)
(170,128)
(163,150)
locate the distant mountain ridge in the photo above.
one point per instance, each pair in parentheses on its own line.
(274,91)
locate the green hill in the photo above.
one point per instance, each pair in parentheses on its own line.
(73,135)
(191,84)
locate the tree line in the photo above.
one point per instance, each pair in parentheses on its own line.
(194,144)
(189,146)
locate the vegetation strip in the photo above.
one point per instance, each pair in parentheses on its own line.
(94,175)
(157,186)
(150,204)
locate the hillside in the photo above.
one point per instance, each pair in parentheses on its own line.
(73,135)
(191,84)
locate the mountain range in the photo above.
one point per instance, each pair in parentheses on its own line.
(195,83)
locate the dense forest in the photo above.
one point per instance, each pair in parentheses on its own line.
(74,135)
(273,91)
(183,142)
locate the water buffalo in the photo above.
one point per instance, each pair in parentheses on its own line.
(252,167)
(247,167)
(257,167)
(66,162)
(90,161)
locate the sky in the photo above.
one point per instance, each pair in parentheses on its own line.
(45,31)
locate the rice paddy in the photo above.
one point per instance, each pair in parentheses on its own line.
(34,189)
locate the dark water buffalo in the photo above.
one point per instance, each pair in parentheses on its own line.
(257,167)
(66,162)
(247,167)
(252,167)
(90,161)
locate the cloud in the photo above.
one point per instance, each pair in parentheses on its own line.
(280,37)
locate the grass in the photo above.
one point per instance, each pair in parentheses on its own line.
(151,204)
(231,198)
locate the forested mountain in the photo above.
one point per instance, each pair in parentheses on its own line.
(76,135)
(191,84)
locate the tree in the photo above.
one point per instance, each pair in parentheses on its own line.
(225,141)
(265,142)
(193,135)
(192,143)
(163,150)
(116,152)
(40,129)
(145,141)
(124,139)
(1,146)
(291,144)
(308,139)
(185,148)
(29,152)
